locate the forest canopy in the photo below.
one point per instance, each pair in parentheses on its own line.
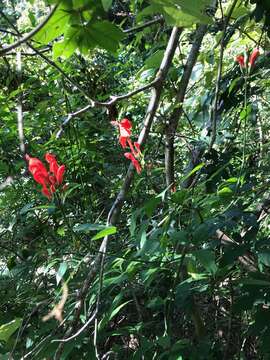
(134,174)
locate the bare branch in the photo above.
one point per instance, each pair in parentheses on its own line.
(19,104)
(58,308)
(30,34)
(143,26)
(94,103)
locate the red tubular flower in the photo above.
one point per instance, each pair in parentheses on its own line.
(58,171)
(241,60)
(125,127)
(53,163)
(36,166)
(255,53)
(60,174)
(135,162)
(43,177)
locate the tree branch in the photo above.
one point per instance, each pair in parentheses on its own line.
(159,19)
(50,62)
(118,203)
(108,104)
(29,35)
(177,112)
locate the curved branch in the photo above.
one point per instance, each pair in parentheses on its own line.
(30,34)
(108,104)
(118,203)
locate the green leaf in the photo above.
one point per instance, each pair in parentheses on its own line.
(225,192)
(151,205)
(193,171)
(103,34)
(207,259)
(8,329)
(66,47)
(264,258)
(55,26)
(184,12)
(116,310)
(108,231)
(106,4)
(88,227)
(61,272)
(255,282)
(154,60)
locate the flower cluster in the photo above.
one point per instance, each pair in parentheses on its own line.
(247,62)
(125,127)
(49,180)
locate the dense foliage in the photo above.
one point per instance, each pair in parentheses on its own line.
(165,260)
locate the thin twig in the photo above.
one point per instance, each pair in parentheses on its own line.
(29,35)
(49,61)
(159,19)
(214,108)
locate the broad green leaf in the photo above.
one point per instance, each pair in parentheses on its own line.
(207,259)
(63,48)
(103,34)
(6,330)
(255,282)
(184,12)
(154,60)
(55,26)
(151,205)
(108,231)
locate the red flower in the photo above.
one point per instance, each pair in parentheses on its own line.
(255,53)
(58,171)
(253,56)
(134,161)
(125,127)
(48,180)
(241,60)
(38,170)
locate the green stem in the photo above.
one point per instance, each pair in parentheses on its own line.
(66,220)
